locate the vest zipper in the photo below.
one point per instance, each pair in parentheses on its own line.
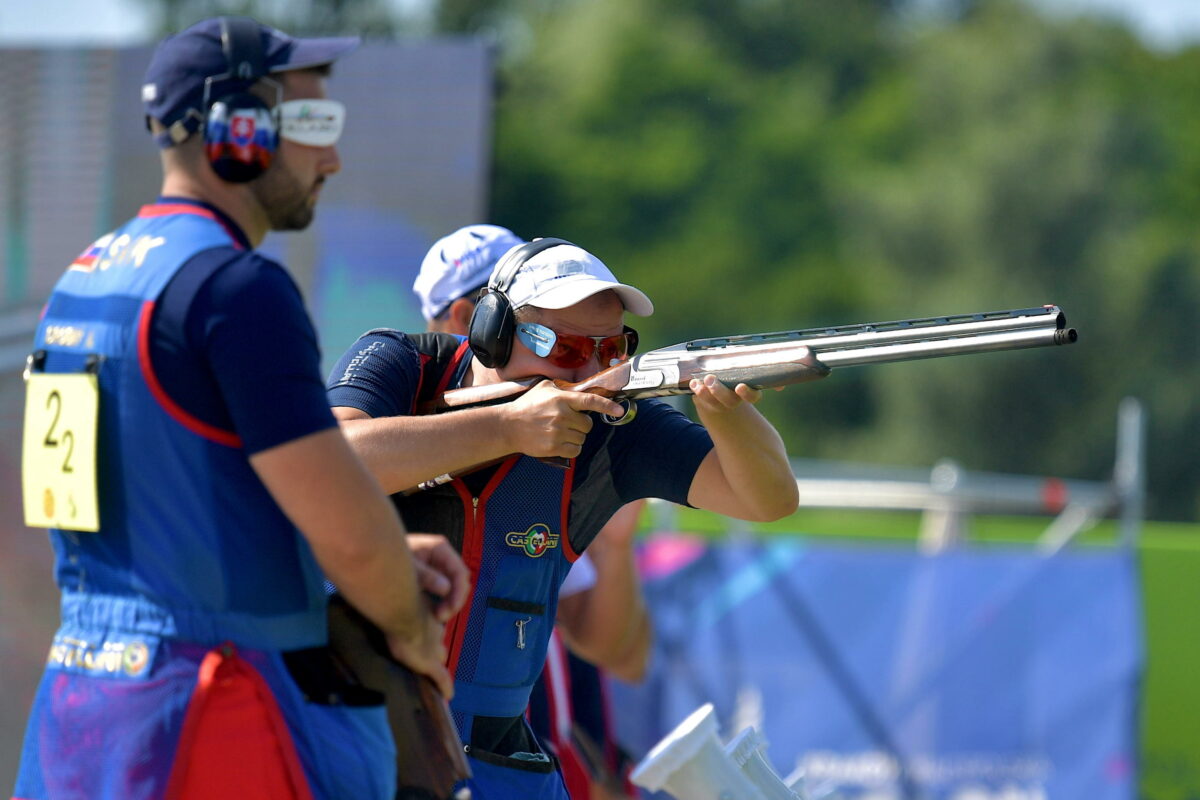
(463,616)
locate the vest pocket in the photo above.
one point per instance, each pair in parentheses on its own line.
(538,763)
(513,645)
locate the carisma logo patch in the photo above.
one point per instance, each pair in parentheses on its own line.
(535,541)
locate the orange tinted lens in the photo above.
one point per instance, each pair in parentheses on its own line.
(613,349)
(571,351)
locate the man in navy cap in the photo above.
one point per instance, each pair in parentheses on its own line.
(192,658)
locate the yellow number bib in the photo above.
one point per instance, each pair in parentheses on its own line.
(58,454)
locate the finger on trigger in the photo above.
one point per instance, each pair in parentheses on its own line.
(601,405)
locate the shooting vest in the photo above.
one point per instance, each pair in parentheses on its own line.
(190,545)
(512,534)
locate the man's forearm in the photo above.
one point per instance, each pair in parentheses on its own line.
(375,572)
(401,452)
(754,461)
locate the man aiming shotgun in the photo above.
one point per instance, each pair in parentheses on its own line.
(602,627)
(520,523)
(549,338)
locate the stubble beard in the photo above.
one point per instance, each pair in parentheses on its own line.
(284,200)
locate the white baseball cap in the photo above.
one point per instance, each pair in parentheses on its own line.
(459,263)
(563,275)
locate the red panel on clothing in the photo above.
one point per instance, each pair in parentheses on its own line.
(425,359)
(235,742)
(452,368)
(472,556)
(193,424)
(565,537)
(557,682)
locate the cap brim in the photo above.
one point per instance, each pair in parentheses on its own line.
(308,53)
(635,300)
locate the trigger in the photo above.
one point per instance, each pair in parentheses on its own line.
(630,413)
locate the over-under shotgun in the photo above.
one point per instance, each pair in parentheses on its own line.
(767,360)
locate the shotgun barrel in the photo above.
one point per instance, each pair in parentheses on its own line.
(764,360)
(906,330)
(767,360)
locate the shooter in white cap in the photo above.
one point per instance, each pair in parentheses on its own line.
(551,310)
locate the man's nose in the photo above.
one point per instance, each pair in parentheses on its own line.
(588,368)
(331,161)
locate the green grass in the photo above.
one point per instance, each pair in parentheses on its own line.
(1169,558)
(904,526)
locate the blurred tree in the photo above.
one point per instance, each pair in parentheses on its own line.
(685,143)
(469,16)
(1015,161)
(761,164)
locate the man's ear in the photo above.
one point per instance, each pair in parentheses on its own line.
(458,316)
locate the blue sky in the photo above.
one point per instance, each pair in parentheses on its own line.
(1164,22)
(74,21)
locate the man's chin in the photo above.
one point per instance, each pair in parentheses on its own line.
(298,220)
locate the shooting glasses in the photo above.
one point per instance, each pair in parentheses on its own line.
(569,350)
(312,122)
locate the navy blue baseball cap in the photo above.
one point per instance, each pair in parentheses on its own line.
(173,88)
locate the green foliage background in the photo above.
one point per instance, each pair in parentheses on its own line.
(767,164)
(762,165)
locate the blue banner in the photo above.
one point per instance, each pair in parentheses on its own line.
(877,672)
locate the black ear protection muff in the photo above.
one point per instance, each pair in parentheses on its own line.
(241,132)
(493,324)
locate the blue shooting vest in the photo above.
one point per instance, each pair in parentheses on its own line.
(191,546)
(513,538)
(192,552)
(515,544)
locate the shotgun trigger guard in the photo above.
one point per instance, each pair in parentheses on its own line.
(627,417)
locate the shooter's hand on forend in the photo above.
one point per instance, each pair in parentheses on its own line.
(713,397)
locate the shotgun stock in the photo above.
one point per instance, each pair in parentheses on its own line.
(429,755)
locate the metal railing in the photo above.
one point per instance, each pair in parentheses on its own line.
(948,494)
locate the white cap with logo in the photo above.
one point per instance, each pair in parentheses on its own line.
(458,263)
(563,275)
